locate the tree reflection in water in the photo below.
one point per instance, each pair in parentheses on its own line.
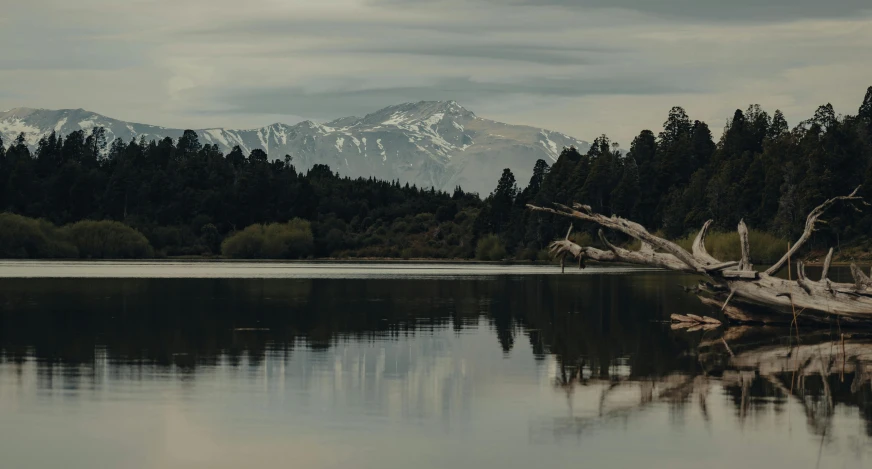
(605,333)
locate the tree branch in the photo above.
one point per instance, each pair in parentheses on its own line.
(632,229)
(809,228)
(851,302)
(698,247)
(745,263)
(827,261)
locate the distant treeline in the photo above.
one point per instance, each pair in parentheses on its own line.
(760,170)
(186,198)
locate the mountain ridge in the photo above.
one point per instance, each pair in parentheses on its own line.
(428,143)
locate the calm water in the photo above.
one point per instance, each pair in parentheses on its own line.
(402,366)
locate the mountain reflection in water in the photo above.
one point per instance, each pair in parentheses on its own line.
(520,366)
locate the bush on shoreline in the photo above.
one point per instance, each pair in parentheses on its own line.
(291,240)
(107,240)
(27,238)
(490,248)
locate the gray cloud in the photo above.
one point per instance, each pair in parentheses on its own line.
(341,102)
(49,46)
(474,22)
(706,10)
(534,54)
(582,67)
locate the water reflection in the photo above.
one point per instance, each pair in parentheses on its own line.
(448,366)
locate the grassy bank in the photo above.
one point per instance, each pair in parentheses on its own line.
(765,248)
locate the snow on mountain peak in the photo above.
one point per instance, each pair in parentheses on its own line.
(427,143)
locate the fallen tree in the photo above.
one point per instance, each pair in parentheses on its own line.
(743,293)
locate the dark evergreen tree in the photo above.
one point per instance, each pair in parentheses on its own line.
(779,125)
(644,151)
(501,201)
(865,111)
(626,194)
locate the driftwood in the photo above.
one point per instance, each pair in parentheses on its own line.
(733,281)
(815,372)
(692,322)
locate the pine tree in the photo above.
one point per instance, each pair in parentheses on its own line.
(540,171)
(865,111)
(73,149)
(189,145)
(96,144)
(21,176)
(825,116)
(644,151)
(702,147)
(555,186)
(4,175)
(779,125)
(602,178)
(502,200)
(626,193)
(46,154)
(758,123)
(864,114)
(673,165)
(258,155)
(236,157)
(677,126)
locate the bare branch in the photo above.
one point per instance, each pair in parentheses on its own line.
(777,297)
(861,280)
(827,262)
(809,228)
(646,248)
(698,247)
(745,263)
(602,237)
(662,260)
(728,300)
(635,230)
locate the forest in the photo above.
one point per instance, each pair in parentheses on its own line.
(182,198)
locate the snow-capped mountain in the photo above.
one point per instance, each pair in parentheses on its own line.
(429,143)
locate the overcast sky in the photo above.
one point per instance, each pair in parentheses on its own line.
(583,67)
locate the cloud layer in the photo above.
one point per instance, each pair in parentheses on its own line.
(582,67)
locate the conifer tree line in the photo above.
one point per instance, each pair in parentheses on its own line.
(187,198)
(760,170)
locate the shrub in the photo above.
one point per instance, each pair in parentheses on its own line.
(290,240)
(27,238)
(106,240)
(490,248)
(245,244)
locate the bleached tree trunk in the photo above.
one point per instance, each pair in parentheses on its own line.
(733,281)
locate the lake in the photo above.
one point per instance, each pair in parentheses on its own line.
(329,365)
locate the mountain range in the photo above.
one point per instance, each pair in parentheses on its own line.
(429,143)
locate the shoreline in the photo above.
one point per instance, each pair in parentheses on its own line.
(368,260)
(197,260)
